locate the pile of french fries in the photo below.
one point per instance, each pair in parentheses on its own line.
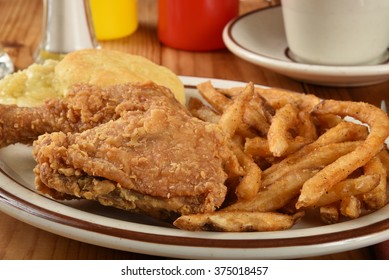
(295,153)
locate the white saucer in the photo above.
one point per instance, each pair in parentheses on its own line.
(259,37)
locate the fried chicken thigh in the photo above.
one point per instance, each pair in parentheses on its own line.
(154,157)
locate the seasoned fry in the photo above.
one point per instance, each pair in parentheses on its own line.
(324,122)
(217,100)
(278,135)
(317,158)
(201,111)
(230,92)
(343,132)
(333,173)
(276,195)
(306,127)
(329,214)
(376,198)
(221,103)
(233,115)
(257,147)
(260,104)
(258,112)
(278,98)
(251,182)
(350,207)
(238,221)
(205,113)
(384,158)
(349,187)
(256,120)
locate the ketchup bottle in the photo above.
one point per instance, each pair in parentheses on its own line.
(194,25)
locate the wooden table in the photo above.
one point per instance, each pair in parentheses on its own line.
(20,27)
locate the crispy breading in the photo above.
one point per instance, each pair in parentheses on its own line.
(154,157)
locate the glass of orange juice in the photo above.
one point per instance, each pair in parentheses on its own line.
(114,19)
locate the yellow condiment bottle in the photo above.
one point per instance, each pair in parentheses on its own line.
(114,19)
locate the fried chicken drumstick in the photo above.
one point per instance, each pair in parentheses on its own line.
(83,108)
(154,157)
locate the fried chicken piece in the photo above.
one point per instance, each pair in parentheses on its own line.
(155,158)
(83,108)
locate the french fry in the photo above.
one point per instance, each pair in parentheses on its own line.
(329,214)
(258,112)
(350,207)
(231,92)
(337,171)
(296,144)
(278,98)
(325,122)
(251,181)
(260,104)
(217,100)
(306,127)
(342,132)
(256,120)
(234,169)
(349,187)
(278,135)
(257,147)
(205,113)
(377,197)
(232,117)
(238,221)
(384,158)
(316,158)
(276,195)
(221,103)
(290,207)
(202,112)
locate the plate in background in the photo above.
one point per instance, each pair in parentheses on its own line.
(259,37)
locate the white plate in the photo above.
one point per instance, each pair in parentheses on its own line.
(259,37)
(92,223)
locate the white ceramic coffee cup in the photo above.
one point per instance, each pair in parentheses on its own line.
(337,32)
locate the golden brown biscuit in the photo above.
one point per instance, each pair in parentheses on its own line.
(107,67)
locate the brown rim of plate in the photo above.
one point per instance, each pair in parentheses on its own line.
(36,210)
